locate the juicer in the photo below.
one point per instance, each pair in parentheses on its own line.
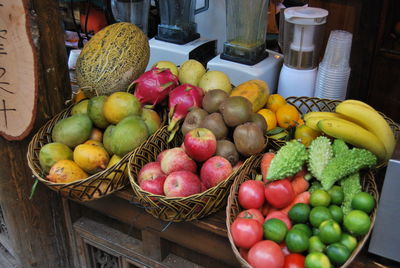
(177,39)
(301,34)
(133,11)
(244,55)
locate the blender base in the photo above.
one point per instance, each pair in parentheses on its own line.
(295,82)
(201,49)
(266,70)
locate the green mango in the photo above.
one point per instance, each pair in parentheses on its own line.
(128,134)
(50,153)
(80,108)
(72,130)
(95,111)
(107,138)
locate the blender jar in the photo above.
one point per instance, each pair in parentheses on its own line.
(246,26)
(177,21)
(133,11)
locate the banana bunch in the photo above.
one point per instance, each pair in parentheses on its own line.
(358,124)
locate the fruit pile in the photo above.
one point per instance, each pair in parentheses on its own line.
(306,208)
(97,134)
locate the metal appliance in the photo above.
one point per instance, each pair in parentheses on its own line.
(244,55)
(301,33)
(177,39)
(133,11)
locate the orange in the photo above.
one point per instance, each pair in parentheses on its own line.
(269,117)
(78,96)
(300,122)
(287,116)
(274,102)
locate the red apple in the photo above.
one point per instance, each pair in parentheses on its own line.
(176,159)
(203,187)
(161,155)
(200,144)
(150,171)
(154,186)
(181,184)
(215,170)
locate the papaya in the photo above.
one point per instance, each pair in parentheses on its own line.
(256,91)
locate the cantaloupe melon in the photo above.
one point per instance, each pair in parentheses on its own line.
(112,59)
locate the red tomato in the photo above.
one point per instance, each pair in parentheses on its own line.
(280,215)
(251,194)
(294,260)
(244,253)
(246,232)
(265,209)
(266,254)
(279,193)
(284,248)
(252,214)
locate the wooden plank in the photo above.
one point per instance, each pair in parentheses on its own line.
(35,226)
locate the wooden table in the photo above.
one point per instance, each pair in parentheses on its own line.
(204,242)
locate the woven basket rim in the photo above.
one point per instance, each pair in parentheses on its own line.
(360,243)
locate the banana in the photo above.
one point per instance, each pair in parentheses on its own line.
(312,122)
(372,121)
(353,134)
(322,114)
(359,103)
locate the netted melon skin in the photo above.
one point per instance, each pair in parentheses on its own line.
(112,59)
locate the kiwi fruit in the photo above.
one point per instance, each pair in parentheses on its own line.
(216,124)
(227,150)
(259,120)
(212,99)
(248,139)
(236,110)
(193,119)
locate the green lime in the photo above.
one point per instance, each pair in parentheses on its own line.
(296,241)
(317,260)
(320,198)
(349,241)
(363,201)
(316,244)
(330,232)
(304,228)
(299,213)
(318,215)
(275,230)
(337,253)
(357,222)
(336,194)
(315,230)
(337,213)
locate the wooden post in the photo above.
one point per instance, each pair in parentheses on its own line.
(35,227)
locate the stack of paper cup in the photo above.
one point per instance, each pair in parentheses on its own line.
(334,70)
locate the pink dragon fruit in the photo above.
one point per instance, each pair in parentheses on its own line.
(181,100)
(153,86)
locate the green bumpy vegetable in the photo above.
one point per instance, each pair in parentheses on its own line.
(288,161)
(316,185)
(351,186)
(339,146)
(345,164)
(319,154)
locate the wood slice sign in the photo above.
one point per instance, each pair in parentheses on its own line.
(18,72)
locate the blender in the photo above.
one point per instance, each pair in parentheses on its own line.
(177,39)
(301,35)
(133,11)
(244,55)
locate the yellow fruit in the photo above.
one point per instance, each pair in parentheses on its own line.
(91,158)
(352,134)
(215,80)
(305,134)
(372,121)
(256,91)
(94,142)
(190,72)
(119,105)
(80,107)
(65,171)
(269,117)
(167,64)
(322,115)
(274,102)
(359,103)
(287,116)
(118,172)
(78,96)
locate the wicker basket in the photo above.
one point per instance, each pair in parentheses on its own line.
(175,209)
(96,186)
(306,104)
(252,169)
